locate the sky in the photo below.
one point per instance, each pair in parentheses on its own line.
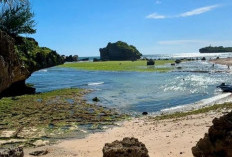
(153,26)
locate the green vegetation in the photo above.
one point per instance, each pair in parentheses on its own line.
(139,66)
(225,106)
(119,51)
(35,57)
(51,114)
(17,19)
(211,49)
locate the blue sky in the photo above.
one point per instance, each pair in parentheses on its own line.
(153,26)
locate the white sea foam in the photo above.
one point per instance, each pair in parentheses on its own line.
(218,99)
(43,70)
(95,83)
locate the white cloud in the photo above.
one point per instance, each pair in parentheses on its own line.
(155,16)
(199,11)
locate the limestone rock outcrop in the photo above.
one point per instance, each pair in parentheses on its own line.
(218,141)
(128,147)
(119,51)
(11,68)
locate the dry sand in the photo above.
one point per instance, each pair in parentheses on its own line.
(174,137)
(223,61)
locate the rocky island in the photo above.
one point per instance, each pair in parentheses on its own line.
(119,51)
(219,49)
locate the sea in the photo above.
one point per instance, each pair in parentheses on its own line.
(137,92)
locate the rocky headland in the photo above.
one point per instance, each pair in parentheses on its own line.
(19,58)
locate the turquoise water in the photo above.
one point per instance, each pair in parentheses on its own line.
(135,91)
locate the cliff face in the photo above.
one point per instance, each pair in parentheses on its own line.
(19,58)
(11,68)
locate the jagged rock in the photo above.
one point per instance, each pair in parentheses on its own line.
(128,147)
(218,141)
(13,152)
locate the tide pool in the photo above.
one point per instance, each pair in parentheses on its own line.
(138,91)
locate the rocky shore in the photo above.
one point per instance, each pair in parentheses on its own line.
(40,119)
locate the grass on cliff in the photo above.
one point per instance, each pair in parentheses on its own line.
(216,107)
(138,66)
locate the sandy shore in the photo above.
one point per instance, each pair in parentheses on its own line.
(174,137)
(223,61)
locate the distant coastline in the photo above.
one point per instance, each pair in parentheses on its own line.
(219,49)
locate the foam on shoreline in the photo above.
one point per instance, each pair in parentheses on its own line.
(218,99)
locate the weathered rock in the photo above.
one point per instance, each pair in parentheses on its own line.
(178,61)
(16,65)
(13,152)
(128,147)
(150,62)
(96,99)
(218,141)
(145,113)
(39,153)
(12,69)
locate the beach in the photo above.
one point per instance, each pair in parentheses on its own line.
(169,137)
(223,61)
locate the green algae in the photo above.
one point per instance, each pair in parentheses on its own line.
(52,115)
(137,66)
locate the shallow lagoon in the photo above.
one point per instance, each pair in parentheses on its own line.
(139,91)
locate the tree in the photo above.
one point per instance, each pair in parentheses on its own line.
(11,1)
(17,19)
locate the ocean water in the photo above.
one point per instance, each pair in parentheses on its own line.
(136,92)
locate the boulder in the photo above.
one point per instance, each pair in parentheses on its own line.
(96,99)
(150,62)
(145,113)
(128,147)
(218,141)
(203,59)
(178,61)
(12,152)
